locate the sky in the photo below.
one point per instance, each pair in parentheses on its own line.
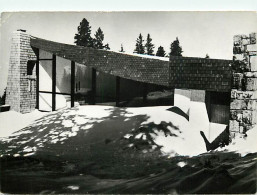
(199,33)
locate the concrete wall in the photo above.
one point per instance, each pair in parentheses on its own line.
(243,107)
(192,102)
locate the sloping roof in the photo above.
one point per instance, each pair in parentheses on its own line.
(149,70)
(178,72)
(200,73)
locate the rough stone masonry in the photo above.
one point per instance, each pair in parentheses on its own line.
(243,106)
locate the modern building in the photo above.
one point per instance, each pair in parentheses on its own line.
(47,75)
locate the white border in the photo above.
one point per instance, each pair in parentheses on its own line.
(127,5)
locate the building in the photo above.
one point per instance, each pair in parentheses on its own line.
(45,75)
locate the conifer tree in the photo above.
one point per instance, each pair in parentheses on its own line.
(160,52)
(139,45)
(207,56)
(98,40)
(149,46)
(175,48)
(83,37)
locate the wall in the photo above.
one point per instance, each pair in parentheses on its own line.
(200,73)
(45,81)
(21,88)
(243,106)
(192,102)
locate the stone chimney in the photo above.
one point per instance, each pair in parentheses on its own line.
(21,84)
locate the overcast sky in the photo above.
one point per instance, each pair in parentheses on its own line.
(199,33)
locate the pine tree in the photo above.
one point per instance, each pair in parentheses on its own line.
(83,37)
(207,56)
(160,52)
(98,40)
(139,45)
(175,48)
(149,46)
(121,49)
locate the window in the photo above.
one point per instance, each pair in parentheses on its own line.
(30,67)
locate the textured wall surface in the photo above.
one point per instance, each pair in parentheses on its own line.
(200,73)
(21,88)
(185,72)
(133,67)
(243,106)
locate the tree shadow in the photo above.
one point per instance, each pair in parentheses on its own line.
(223,139)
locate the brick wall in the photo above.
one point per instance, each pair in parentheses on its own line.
(21,88)
(200,73)
(243,106)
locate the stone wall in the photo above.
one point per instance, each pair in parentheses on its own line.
(21,88)
(243,106)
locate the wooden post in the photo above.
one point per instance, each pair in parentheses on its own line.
(37,76)
(72,83)
(117,91)
(93,86)
(54,83)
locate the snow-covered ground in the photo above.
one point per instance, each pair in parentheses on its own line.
(185,139)
(243,144)
(12,121)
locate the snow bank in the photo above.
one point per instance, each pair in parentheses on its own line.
(12,121)
(188,142)
(242,144)
(184,139)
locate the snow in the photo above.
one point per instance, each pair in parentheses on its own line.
(215,129)
(199,120)
(12,121)
(181,164)
(73,187)
(156,114)
(186,139)
(243,145)
(144,56)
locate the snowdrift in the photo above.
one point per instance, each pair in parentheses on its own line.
(145,128)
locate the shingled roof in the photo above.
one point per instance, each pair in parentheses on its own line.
(149,70)
(200,73)
(177,72)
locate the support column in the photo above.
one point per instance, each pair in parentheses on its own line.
(117,91)
(54,83)
(37,76)
(145,89)
(72,83)
(93,86)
